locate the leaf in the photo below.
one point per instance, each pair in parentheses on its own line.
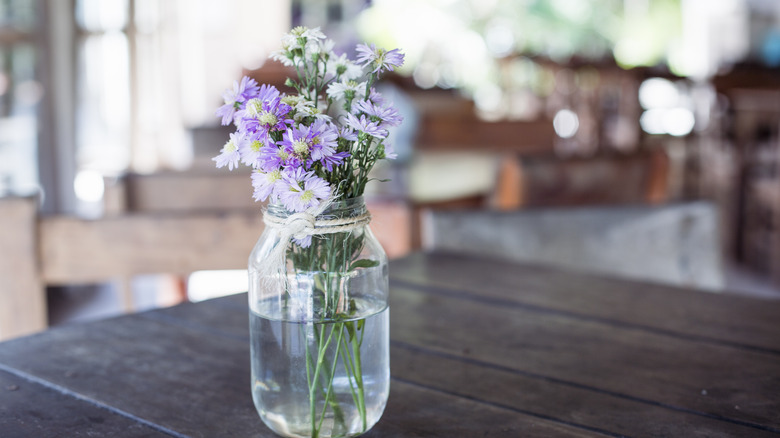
(364,263)
(361,323)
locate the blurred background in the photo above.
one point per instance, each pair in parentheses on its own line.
(620,110)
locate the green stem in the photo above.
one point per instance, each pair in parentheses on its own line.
(359,377)
(332,373)
(348,367)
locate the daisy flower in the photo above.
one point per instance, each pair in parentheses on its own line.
(301,190)
(343,68)
(384,115)
(380,60)
(346,89)
(285,56)
(268,115)
(229,155)
(250,150)
(389,151)
(330,161)
(323,139)
(347,133)
(265,183)
(272,157)
(296,141)
(241,92)
(365,125)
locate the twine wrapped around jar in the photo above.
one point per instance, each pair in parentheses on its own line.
(301,225)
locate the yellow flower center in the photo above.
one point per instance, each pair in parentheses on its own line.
(230,146)
(256,145)
(307,195)
(267,118)
(290,100)
(300,147)
(254,107)
(274,176)
(282,154)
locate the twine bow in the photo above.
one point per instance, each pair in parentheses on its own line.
(301,225)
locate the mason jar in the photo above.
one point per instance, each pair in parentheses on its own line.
(319,324)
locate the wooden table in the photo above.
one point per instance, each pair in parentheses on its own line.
(479,348)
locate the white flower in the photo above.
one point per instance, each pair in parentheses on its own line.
(284,56)
(341,65)
(315,46)
(340,90)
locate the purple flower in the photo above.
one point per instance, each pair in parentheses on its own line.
(251,148)
(390,151)
(296,141)
(347,133)
(266,92)
(265,183)
(265,115)
(323,137)
(375,97)
(379,59)
(240,93)
(272,157)
(365,125)
(384,115)
(302,190)
(334,160)
(229,155)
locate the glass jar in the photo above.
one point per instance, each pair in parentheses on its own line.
(319,327)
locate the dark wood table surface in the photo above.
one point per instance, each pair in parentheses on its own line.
(478,348)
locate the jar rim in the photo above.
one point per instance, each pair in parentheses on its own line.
(278,209)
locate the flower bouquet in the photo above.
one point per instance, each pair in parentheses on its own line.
(317,275)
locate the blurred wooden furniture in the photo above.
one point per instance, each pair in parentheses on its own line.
(544,181)
(174,223)
(479,348)
(676,244)
(22,301)
(750,96)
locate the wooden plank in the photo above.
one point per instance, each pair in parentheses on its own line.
(740,385)
(185,381)
(190,191)
(29,409)
(77,250)
(446,132)
(414,411)
(196,383)
(22,298)
(731,319)
(556,400)
(468,377)
(80,251)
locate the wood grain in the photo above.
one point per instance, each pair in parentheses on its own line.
(720,318)
(196,383)
(29,409)
(467,371)
(478,348)
(77,250)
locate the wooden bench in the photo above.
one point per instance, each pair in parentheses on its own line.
(151,231)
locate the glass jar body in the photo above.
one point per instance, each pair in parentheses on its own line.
(319,329)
